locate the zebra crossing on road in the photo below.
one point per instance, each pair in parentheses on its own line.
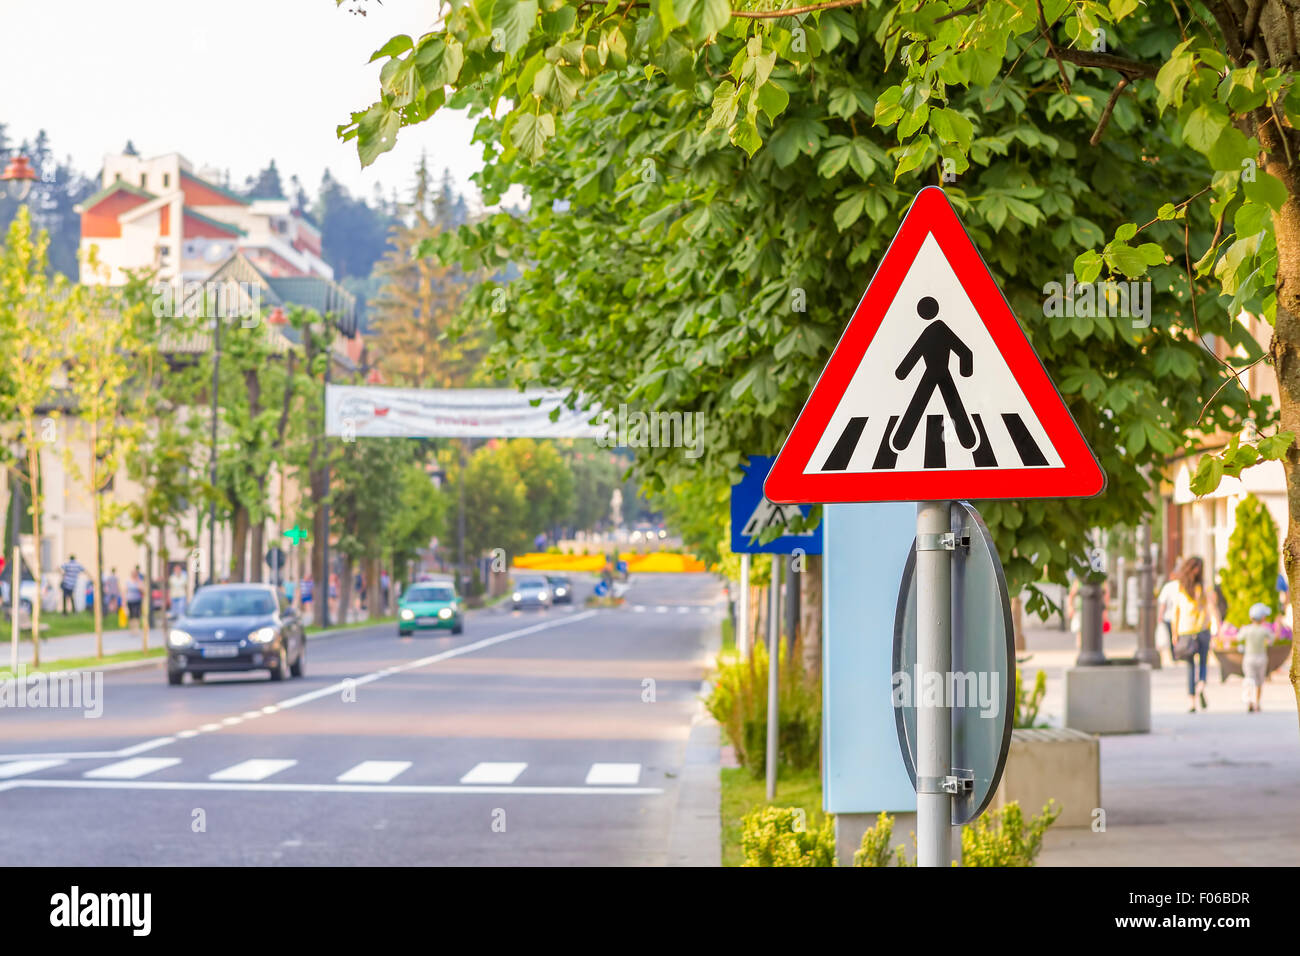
(376,772)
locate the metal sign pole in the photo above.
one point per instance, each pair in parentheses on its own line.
(773,655)
(742,617)
(934,543)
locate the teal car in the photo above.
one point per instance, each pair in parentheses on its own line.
(429,606)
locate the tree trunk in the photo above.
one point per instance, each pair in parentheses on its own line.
(239,542)
(256,558)
(97,584)
(1285,353)
(320,573)
(811,614)
(146,604)
(345,589)
(34,485)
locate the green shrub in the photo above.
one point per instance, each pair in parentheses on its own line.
(1250,575)
(738,703)
(1002,838)
(1028,703)
(875,849)
(779,836)
(998,838)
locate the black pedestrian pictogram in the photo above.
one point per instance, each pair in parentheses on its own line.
(934,347)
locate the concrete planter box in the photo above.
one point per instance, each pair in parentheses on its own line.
(1060,765)
(1113,698)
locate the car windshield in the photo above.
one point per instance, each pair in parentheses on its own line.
(431,594)
(532,583)
(559,582)
(232,602)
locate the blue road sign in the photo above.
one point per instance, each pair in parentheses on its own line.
(752,513)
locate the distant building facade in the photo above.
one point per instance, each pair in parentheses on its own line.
(160,214)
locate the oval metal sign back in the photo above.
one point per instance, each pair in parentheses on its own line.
(981,687)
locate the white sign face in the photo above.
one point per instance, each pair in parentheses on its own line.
(955,407)
(370,411)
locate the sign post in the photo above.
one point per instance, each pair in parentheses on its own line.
(933,656)
(773,673)
(742,615)
(934,394)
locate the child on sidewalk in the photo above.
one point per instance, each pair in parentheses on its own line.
(1255,636)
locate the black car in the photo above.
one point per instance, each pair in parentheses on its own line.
(561,588)
(236,627)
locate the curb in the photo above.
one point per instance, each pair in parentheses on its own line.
(695,834)
(117,666)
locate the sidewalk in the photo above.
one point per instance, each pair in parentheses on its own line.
(1214,788)
(72,646)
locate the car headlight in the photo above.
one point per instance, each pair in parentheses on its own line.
(543,596)
(445,613)
(263,635)
(407,614)
(517,596)
(559,592)
(180,639)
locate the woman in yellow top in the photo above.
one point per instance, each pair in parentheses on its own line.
(1192,620)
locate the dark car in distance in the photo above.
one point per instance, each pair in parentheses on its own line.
(561,588)
(236,627)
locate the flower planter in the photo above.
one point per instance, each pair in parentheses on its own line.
(1230,661)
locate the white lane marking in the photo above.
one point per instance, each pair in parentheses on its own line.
(187,734)
(494,773)
(252,714)
(336,688)
(340,686)
(639,608)
(93,754)
(252,770)
(683,610)
(374,771)
(27,766)
(397,788)
(132,769)
(605,773)
(231,721)
(661,609)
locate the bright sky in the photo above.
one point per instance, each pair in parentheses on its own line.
(229,84)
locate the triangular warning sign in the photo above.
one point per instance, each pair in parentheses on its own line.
(933,392)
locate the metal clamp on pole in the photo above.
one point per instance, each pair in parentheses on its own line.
(946,541)
(959,782)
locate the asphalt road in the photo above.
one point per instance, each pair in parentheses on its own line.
(537,738)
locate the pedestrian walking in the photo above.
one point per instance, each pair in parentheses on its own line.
(1254,662)
(1165,599)
(134,597)
(71,570)
(1194,617)
(112,592)
(176,591)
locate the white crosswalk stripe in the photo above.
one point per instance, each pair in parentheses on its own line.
(20,767)
(132,769)
(494,773)
(374,771)
(605,773)
(255,769)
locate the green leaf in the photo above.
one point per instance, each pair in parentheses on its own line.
(1209,473)
(1266,189)
(439,61)
(703,18)
(515,20)
(394,47)
(952,127)
(530,133)
(1203,126)
(1087,266)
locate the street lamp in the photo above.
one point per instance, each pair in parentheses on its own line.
(18,178)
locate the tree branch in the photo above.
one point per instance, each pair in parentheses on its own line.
(1110,108)
(1109,61)
(794,11)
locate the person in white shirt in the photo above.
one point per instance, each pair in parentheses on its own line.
(1165,599)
